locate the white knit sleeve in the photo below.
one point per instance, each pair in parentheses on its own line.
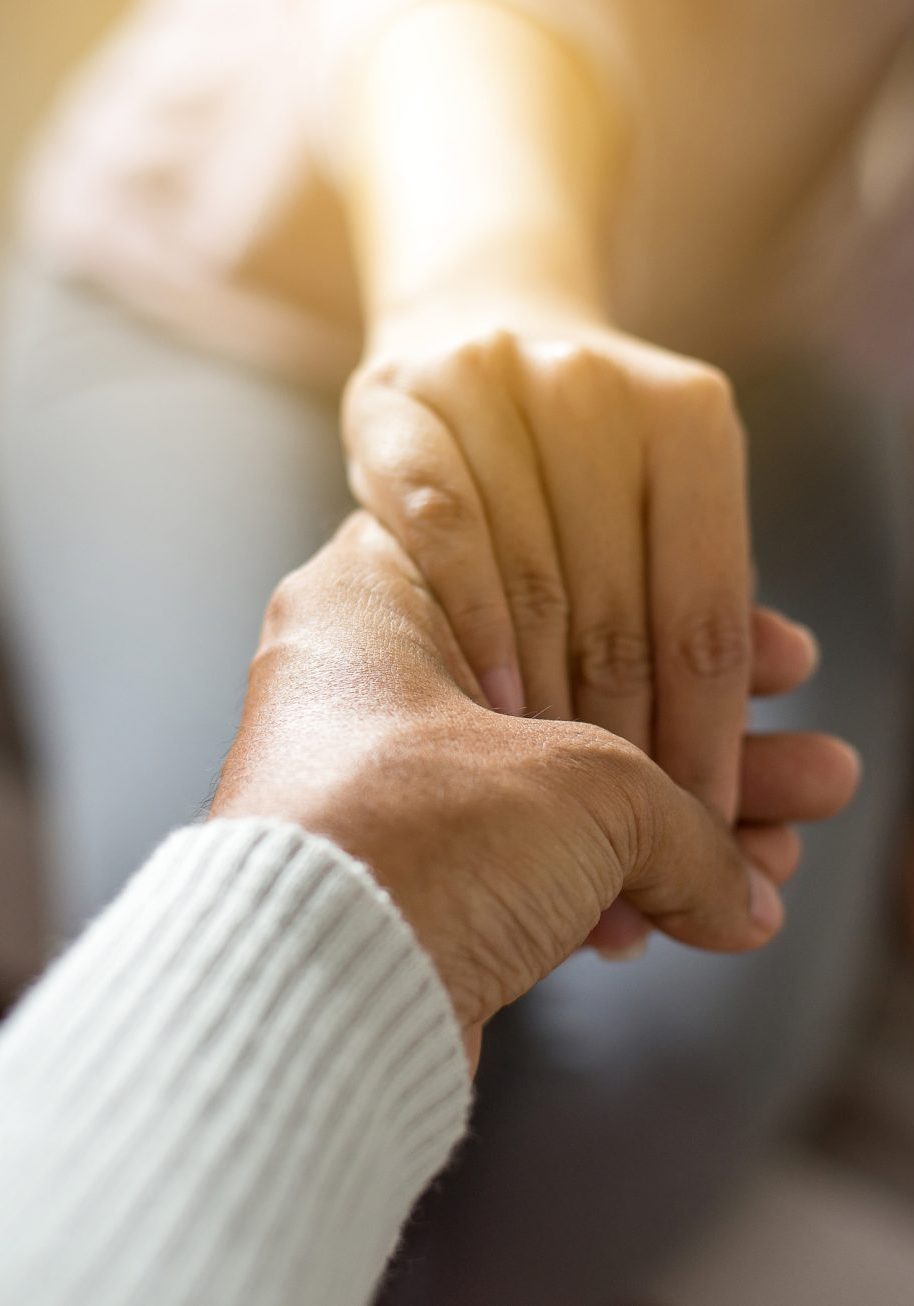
(231,1090)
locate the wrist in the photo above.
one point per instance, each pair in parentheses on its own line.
(547,260)
(349,804)
(435,321)
(475,200)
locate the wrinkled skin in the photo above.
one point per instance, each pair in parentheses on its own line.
(503,840)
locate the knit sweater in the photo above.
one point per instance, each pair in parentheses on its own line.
(230,1090)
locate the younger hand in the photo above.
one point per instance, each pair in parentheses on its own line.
(577,502)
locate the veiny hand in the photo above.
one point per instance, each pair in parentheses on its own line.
(577,502)
(501,839)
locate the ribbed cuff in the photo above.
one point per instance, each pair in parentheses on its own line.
(231,1090)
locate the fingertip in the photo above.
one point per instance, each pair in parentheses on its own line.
(853,760)
(812,646)
(800,776)
(843,773)
(766,907)
(785,653)
(631,953)
(622,932)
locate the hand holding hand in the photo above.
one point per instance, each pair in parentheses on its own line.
(577,501)
(501,839)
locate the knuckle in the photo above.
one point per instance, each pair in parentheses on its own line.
(497,342)
(579,741)
(581,380)
(611,662)
(638,811)
(360,481)
(537,598)
(577,366)
(370,392)
(285,601)
(709,389)
(713,645)
(284,621)
(590,749)
(697,399)
(710,400)
(432,509)
(476,356)
(624,809)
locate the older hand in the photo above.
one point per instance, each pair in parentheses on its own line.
(501,839)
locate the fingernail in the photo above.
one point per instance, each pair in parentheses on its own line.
(631,953)
(765,905)
(502,687)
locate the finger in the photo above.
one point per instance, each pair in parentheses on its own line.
(365,556)
(621,933)
(591,461)
(796,777)
(775,849)
(699,587)
(784,654)
(690,877)
(407,469)
(502,461)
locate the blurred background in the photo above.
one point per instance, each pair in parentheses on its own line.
(40,41)
(830,1221)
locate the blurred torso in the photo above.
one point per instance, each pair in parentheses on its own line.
(185,172)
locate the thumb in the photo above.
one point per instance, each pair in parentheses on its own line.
(690,878)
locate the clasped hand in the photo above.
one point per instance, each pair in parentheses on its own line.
(503,839)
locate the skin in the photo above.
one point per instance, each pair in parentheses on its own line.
(503,840)
(575,498)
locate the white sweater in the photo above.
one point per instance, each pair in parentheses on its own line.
(231,1090)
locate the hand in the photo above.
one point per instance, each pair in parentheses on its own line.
(501,839)
(577,502)
(784,656)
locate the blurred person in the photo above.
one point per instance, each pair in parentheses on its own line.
(513,227)
(234,1086)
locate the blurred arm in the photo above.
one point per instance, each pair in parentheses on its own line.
(476,155)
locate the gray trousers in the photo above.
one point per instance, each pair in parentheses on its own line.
(150,497)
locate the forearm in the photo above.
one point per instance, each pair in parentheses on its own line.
(219,1095)
(475,164)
